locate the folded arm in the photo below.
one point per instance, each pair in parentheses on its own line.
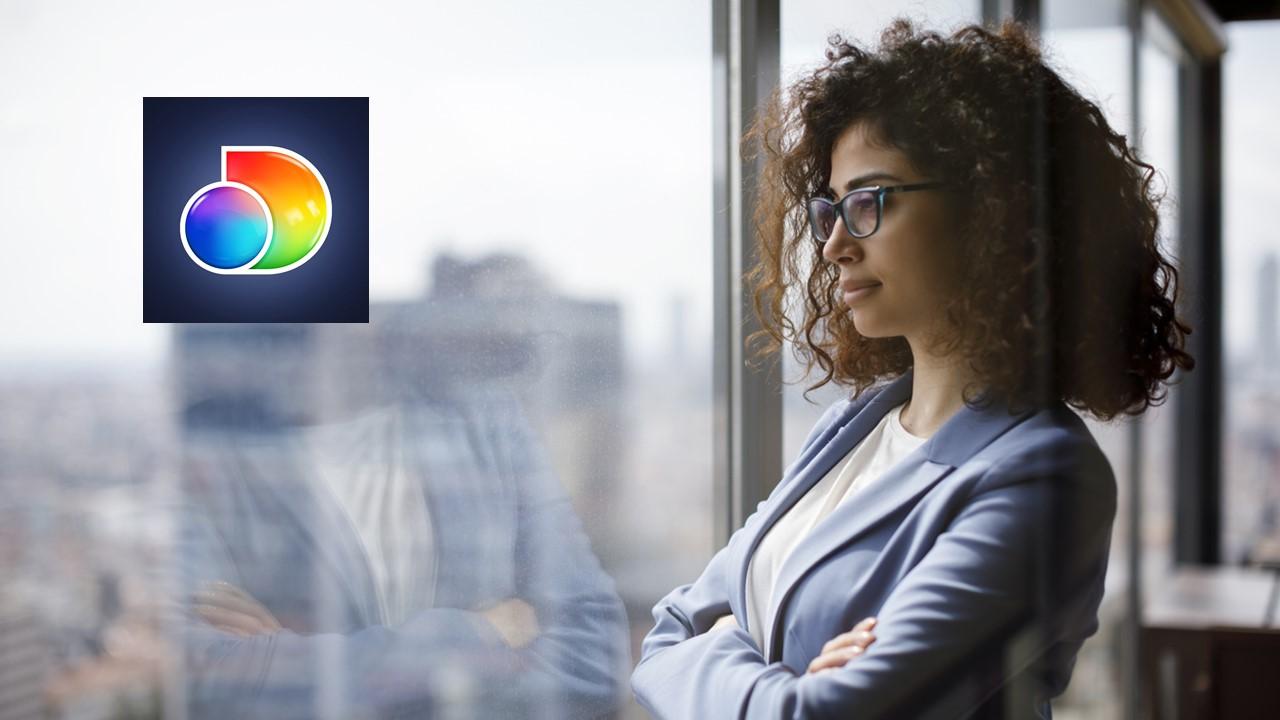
(980,585)
(441,656)
(693,608)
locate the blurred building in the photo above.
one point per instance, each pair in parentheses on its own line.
(1268,360)
(491,320)
(26,663)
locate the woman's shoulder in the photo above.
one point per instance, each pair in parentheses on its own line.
(1053,429)
(1052,442)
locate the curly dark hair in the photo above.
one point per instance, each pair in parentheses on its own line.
(1069,295)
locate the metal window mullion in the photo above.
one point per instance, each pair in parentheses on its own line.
(1131,662)
(1198,489)
(747,412)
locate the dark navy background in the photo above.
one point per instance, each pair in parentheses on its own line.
(182,152)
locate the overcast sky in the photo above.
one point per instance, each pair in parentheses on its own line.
(587,122)
(592,118)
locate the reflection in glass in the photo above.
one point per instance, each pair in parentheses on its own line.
(393,542)
(1090,46)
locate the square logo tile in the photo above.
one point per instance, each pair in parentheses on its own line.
(255,209)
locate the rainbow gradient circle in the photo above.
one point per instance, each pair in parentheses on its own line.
(269,214)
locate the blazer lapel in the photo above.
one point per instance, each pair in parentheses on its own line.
(826,452)
(962,435)
(904,483)
(278,477)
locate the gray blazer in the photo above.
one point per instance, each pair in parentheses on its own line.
(982,554)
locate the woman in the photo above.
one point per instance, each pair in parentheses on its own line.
(961,223)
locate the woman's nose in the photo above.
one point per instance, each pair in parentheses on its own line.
(840,245)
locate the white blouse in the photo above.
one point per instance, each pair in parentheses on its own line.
(886,444)
(362,464)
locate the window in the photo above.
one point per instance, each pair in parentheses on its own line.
(1251,386)
(540,221)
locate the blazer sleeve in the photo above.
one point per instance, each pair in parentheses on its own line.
(984,582)
(689,610)
(577,664)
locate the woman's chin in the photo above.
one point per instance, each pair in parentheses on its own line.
(867,326)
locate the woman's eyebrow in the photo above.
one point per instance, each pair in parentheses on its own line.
(862,179)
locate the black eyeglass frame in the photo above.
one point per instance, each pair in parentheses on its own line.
(838,205)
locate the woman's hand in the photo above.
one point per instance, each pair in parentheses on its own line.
(515,621)
(844,647)
(230,609)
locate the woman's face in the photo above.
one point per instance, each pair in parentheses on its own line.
(910,261)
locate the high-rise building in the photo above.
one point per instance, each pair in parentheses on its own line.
(1268,308)
(491,320)
(26,663)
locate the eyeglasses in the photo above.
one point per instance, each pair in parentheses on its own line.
(861,210)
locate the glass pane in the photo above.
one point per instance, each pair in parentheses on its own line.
(513,455)
(1251,255)
(1160,57)
(1090,48)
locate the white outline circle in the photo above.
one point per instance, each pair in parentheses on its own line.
(266,211)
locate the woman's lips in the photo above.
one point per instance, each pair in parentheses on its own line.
(851,295)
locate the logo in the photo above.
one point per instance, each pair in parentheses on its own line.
(254,209)
(269,214)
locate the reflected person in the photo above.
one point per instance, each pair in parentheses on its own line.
(414,558)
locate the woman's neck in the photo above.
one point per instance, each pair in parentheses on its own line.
(937,387)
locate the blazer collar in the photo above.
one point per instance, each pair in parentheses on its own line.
(962,435)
